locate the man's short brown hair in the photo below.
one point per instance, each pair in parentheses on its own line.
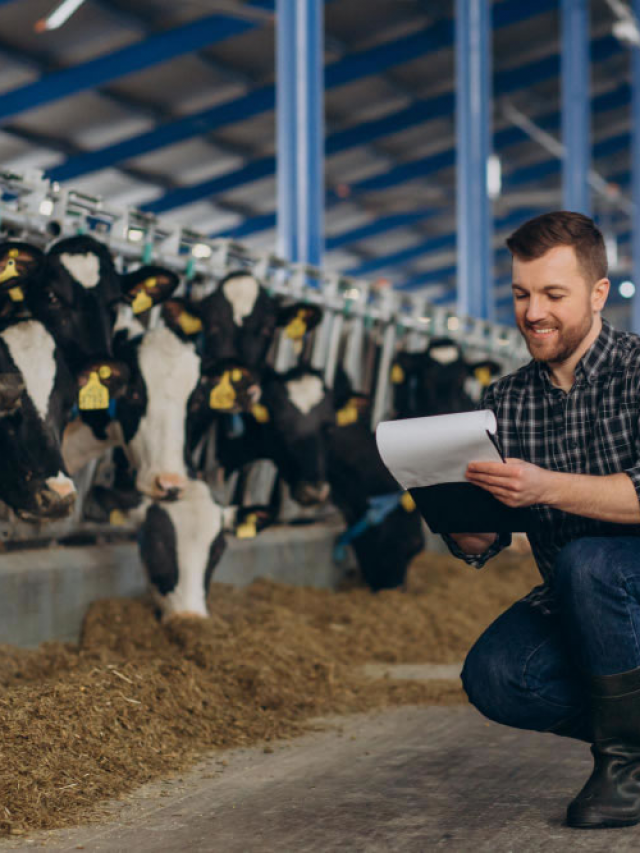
(562,228)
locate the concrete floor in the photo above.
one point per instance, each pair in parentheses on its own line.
(409,780)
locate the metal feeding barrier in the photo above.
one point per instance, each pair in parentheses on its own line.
(362,328)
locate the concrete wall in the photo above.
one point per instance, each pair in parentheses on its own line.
(44,593)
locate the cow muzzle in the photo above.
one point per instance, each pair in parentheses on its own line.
(54,501)
(310,494)
(166,487)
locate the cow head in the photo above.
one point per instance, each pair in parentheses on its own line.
(153,413)
(147,286)
(21,266)
(181,544)
(481,375)
(431,382)
(36,396)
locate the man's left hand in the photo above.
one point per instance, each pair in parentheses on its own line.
(514,482)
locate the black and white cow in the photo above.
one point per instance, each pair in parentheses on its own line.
(37,393)
(182,542)
(431,382)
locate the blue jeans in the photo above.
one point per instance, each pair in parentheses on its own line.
(529,669)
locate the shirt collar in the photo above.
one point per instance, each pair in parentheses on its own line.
(596,358)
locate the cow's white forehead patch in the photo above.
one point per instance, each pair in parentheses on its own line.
(85,269)
(33,351)
(241,292)
(444,355)
(305,393)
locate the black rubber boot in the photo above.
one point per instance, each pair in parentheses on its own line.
(611,796)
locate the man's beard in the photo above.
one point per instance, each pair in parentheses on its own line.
(568,342)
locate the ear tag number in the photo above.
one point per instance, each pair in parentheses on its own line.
(248,529)
(141,303)
(483,375)
(347,415)
(189,324)
(16,294)
(407,502)
(94,395)
(397,374)
(260,413)
(223,396)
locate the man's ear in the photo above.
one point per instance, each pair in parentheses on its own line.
(298,319)
(147,286)
(600,293)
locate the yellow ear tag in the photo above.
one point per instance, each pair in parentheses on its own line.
(189,324)
(223,395)
(347,415)
(16,294)
(14,253)
(151,283)
(94,395)
(296,329)
(236,375)
(397,374)
(10,271)
(141,303)
(407,502)
(104,371)
(117,517)
(260,413)
(248,529)
(483,375)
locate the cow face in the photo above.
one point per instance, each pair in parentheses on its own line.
(77,299)
(431,382)
(181,543)
(36,396)
(481,375)
(240,320)
(164,373)
(147,286)
(296,410)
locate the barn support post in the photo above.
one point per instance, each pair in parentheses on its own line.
(576,135)
(300,130)
(635,176)
(473,137)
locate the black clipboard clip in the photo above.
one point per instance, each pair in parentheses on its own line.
(494,441)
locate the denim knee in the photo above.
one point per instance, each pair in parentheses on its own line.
(582,566)
(488,681)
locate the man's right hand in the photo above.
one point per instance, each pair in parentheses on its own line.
(474,543)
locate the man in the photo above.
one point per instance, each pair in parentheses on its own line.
(566,658)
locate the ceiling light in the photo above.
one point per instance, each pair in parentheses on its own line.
(626,289)
(494,176)
(57,18)
(201,250)
(135,235)
(453,324)
(46,207)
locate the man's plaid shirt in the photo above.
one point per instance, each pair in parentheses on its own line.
(592,429)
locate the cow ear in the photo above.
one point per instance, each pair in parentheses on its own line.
(356,409)
(148,286)
(182,317)
(20,264)
(299,319)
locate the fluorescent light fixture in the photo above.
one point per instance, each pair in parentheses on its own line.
(46,207)
(352,293)
(453,324)
(494,176)
(626,289)
(611,246)
(59,16)
(201,250)
(135,235)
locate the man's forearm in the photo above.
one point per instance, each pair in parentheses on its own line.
(611,498)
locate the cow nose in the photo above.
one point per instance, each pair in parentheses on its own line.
(170,486)
(56,500)
(61,485)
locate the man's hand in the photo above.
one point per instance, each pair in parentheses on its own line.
(474,543)
(514,482)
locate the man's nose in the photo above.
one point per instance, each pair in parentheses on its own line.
(535,311)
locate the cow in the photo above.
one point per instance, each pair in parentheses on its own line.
(37,393)
(182,542)
(322,447)
(431,382)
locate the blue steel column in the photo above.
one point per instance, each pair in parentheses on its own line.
(576,131)
(300,130)
(635,175)
(473,137)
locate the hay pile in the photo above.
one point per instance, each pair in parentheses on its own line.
(134,701)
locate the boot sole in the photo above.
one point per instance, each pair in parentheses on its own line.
(602,823)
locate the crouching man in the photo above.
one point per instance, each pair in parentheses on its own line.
(566,658)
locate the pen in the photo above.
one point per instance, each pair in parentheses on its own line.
(494,441)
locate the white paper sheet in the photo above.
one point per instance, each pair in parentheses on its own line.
(425,451)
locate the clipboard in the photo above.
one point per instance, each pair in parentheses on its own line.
(429,457)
